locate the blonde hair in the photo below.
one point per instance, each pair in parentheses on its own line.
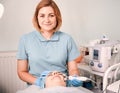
(45,3)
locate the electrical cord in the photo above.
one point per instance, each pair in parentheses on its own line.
(119,89)
(94,83)
(105,89)
(84,79)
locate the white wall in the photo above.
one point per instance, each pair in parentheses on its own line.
(83,19)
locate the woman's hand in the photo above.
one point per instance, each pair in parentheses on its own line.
(76,82)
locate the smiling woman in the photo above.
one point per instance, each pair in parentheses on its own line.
(46,48)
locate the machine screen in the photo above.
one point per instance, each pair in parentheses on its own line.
(95,54)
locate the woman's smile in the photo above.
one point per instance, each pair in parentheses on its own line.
(47,18)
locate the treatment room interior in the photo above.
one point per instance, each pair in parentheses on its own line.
(84,20)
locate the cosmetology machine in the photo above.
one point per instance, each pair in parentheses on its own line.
(103,54)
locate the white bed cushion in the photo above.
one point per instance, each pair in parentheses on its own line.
(57,89)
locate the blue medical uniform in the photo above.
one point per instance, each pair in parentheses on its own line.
(44,55)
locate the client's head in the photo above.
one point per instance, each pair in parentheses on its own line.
(53,78)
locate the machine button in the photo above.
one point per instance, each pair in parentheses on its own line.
(91,63)
(99,65)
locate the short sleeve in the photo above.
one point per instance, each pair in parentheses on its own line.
(73,51)
(21,54)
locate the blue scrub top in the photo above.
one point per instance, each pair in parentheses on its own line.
(45,54)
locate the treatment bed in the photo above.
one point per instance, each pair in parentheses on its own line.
(57,89)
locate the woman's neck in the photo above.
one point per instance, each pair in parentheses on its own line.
(47,35)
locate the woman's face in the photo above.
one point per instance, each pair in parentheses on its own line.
(55,79)
(47,18)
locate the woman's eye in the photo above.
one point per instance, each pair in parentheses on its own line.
(41,16)
(52,15)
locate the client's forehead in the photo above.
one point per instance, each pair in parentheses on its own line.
(55,72)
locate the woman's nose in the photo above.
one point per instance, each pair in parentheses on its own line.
(47,19)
